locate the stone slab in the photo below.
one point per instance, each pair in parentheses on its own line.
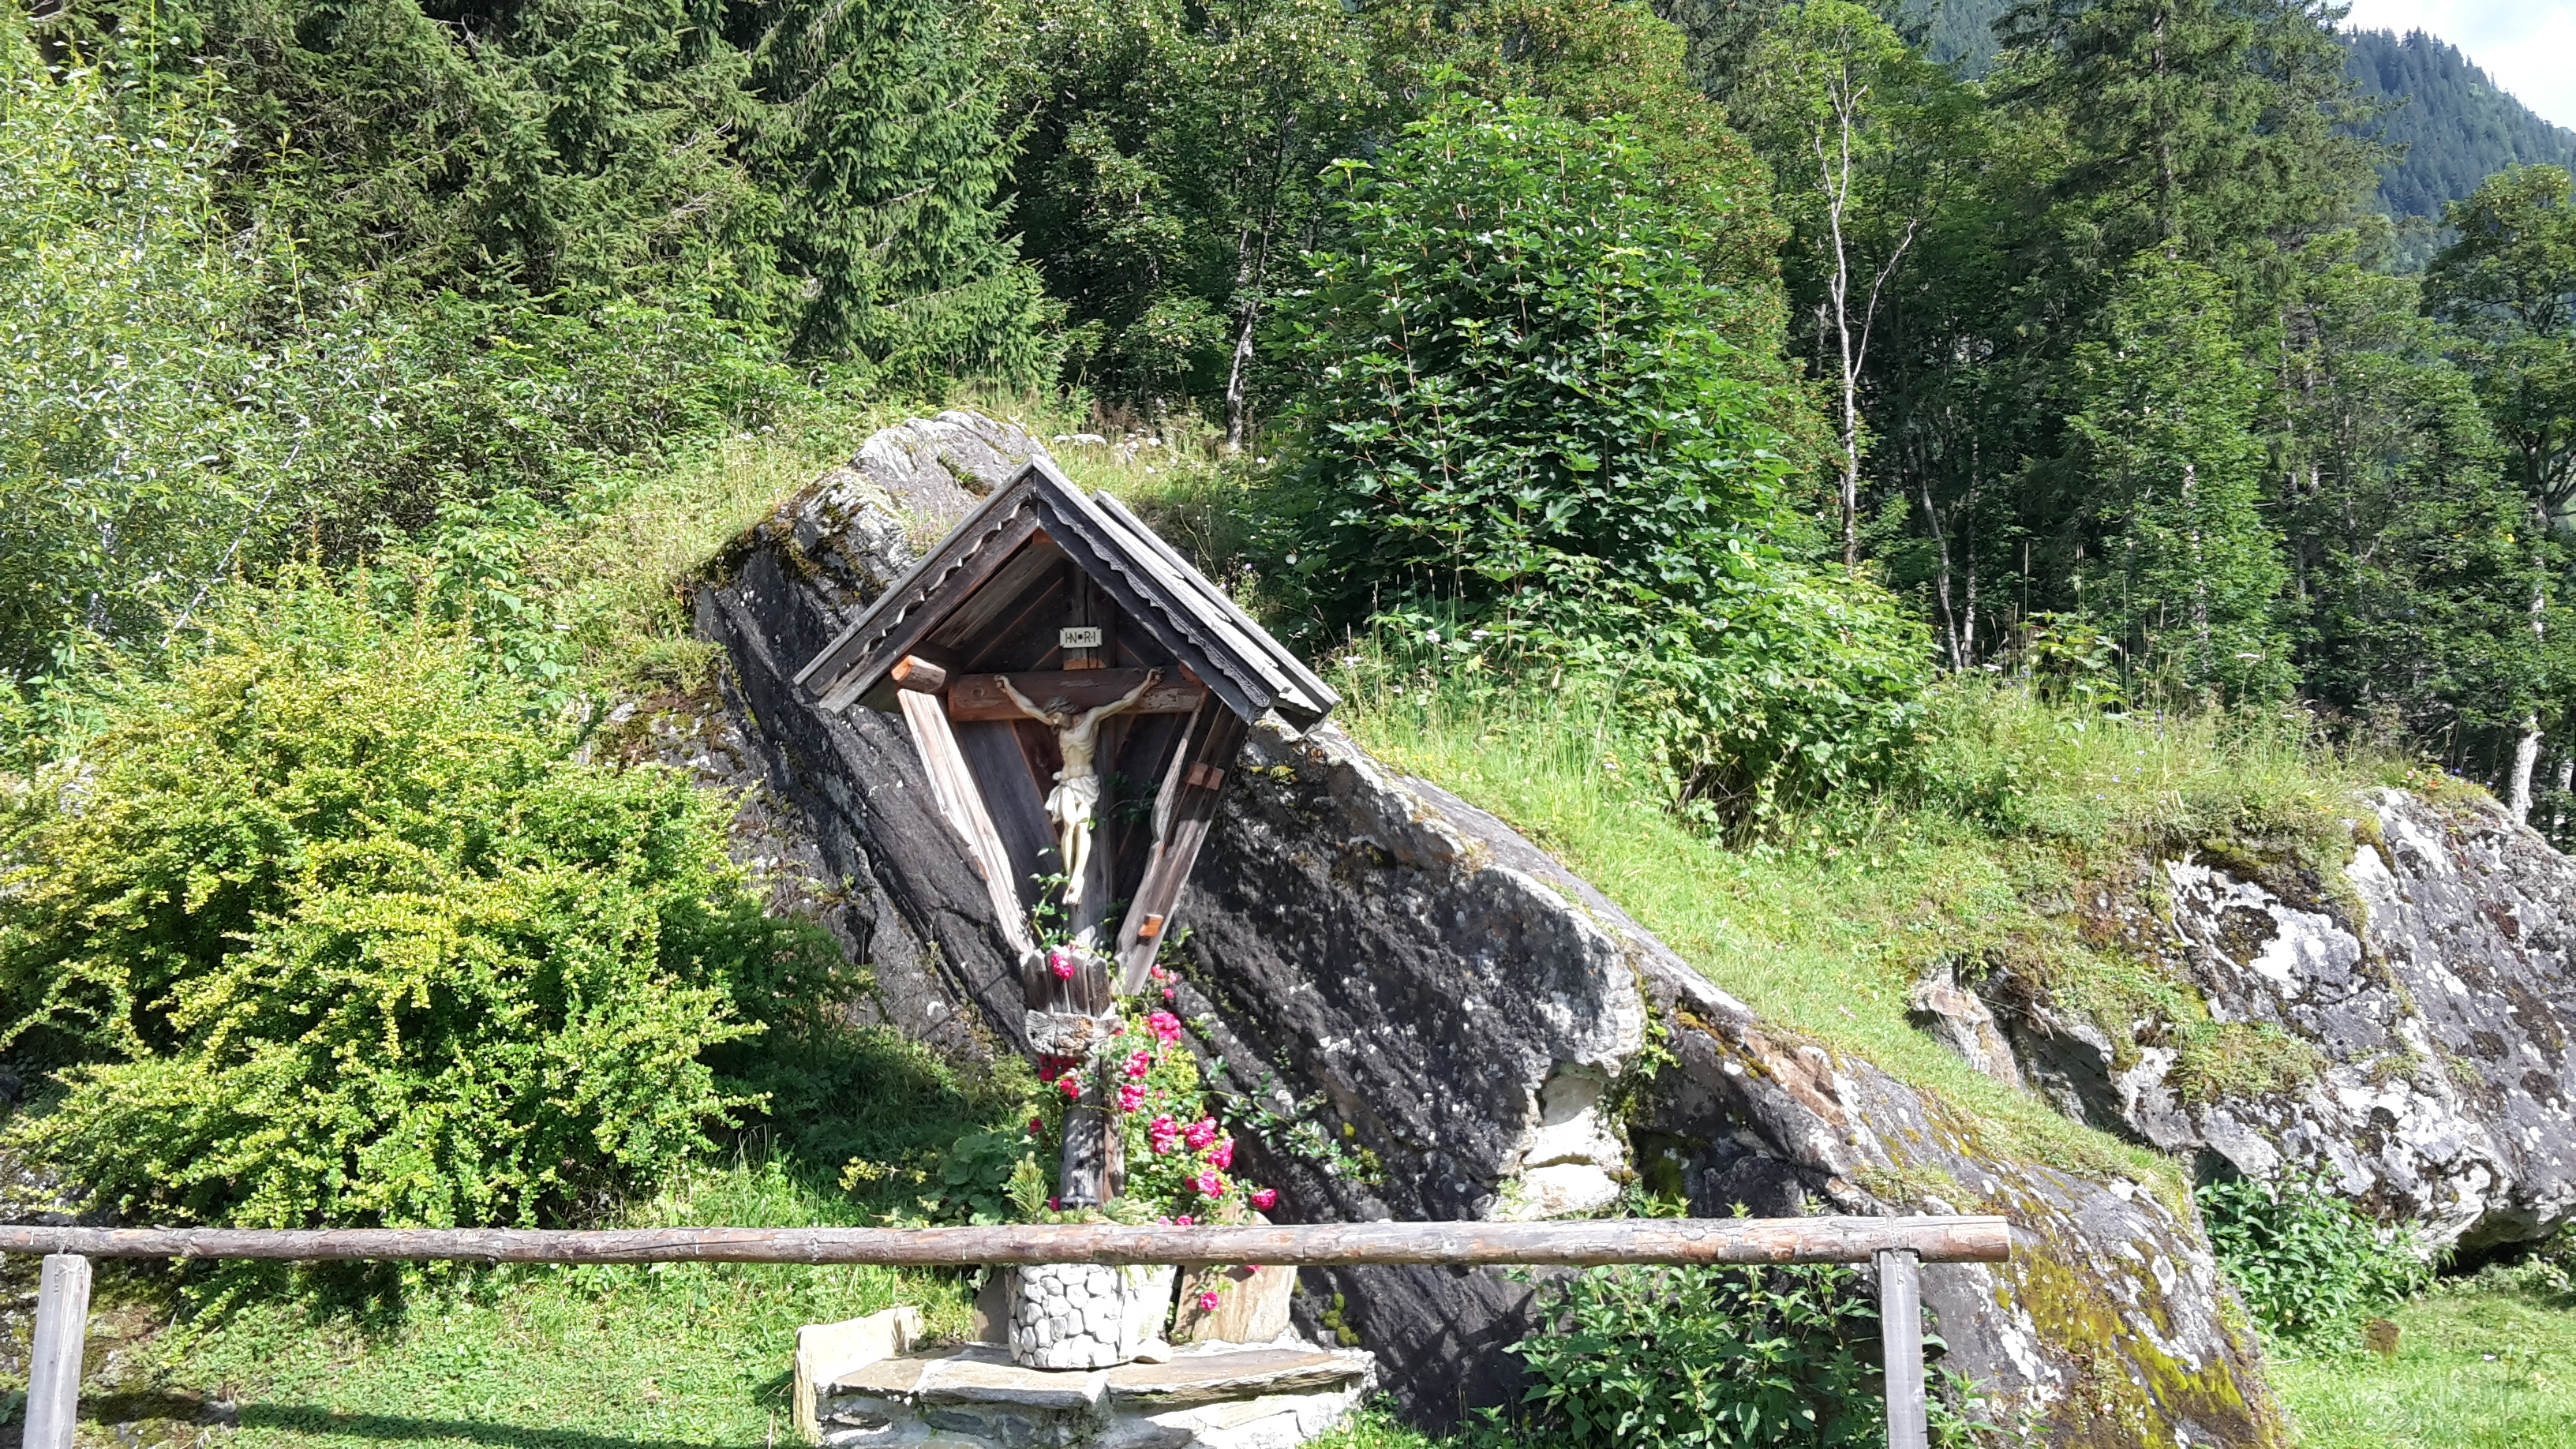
(1203,1378)
(979,1377)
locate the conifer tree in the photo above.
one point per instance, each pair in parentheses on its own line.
(883,145)
(2162,414)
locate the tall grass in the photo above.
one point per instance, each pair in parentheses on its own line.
(1823,925)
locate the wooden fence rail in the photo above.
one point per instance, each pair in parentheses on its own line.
(1895,1245)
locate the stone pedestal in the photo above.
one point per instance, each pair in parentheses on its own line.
(1214,1396)
(1087,1315)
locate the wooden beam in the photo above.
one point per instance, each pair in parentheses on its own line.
(916,673)
(1900,1342)
(54,1359)
(980,696)
(953,786)
(1186,807)
(1577,1244)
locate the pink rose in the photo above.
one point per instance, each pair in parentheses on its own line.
(1163,1133)
(1265,1198)
(1070,1084)
(1159,974)
(1210,1183)
(1207,1302)
(1222,1154)
(1200,1133)
(1185,1220)
(1060,961)
(1165,1025)
(1140,1062)
(1130,1097)
(1167,994)
(1055,1204)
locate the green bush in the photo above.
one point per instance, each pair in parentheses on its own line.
(2307,1262)
(1524,422)
(330,926)
(1709,1356)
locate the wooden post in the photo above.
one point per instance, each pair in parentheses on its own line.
(1900,1337)
(54,1367)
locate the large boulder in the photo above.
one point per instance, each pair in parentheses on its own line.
(1468,1017)
(2395,1020)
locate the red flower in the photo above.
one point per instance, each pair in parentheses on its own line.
(1037,1127)
(1210,1183)
(1163,1133)
(1207,1302)
(1167,994)
(1222,1155)
(1265,1198)
(1165,1025)
(1200,1133)
(1070,1084)
(1139,1062)
(1130,1097)
(1185,1220)
(1060,961)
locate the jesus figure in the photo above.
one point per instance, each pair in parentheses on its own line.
(1077,785)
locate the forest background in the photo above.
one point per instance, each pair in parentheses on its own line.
(1841,409)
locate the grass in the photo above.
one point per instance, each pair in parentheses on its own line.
(668,1354)
(2022,811)
(2485,1364)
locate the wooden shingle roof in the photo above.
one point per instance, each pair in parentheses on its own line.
(974,574)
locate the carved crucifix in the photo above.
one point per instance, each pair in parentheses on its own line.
(1077,785)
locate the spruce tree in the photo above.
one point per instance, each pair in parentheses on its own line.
(884,146)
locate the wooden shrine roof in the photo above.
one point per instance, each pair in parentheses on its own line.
(979,568)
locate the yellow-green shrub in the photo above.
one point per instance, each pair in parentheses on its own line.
(330,926)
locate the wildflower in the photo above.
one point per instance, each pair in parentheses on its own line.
(1130,1097)
(1140,1062)
(1070,1084)
(1200,1133)
(1163,1133)
(1210,1183)
(1060,961)
(1207,1302)
(1265,1198)
(1166,1026)
(1221,1156)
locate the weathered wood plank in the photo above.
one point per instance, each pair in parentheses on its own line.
(1578,1244)
(963,804)
(980,696)
(1900,1329)
(1190,795)
(54,1362)
(1016,801)
(916,673)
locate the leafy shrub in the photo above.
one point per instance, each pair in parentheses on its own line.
(2307,1262)
(330,927)
(1710,1356)
(1525,419)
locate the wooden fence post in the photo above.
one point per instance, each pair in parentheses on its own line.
(1900,1337)
(54,1368)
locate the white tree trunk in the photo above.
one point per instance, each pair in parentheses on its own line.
(2526,755)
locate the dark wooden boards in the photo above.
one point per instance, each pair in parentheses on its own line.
(1183,810)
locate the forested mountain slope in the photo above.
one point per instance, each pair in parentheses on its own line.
(2457,128)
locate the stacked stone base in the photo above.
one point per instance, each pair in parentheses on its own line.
(1205,1396)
